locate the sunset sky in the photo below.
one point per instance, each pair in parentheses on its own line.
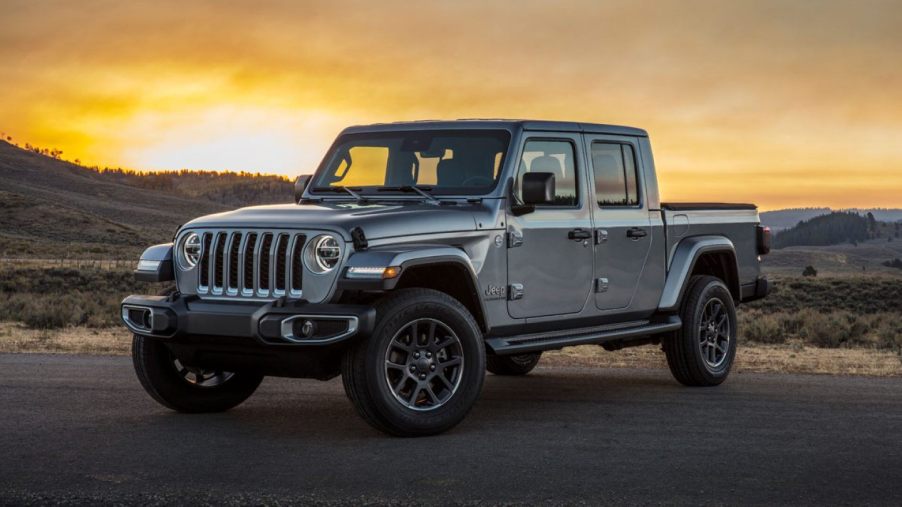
(783,103)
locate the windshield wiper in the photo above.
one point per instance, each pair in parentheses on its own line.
(339,188)
(423,191)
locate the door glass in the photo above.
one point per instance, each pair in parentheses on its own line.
(557,158)
(615,174)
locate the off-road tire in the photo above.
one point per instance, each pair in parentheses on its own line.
(684,356)
(364,363)
(158,375)
(519,364)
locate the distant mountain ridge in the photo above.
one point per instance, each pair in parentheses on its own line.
(779,220)
(830,229)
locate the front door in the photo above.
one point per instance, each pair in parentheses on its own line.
(550,249)
(623,232)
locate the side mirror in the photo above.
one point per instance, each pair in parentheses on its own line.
(300,185)
(538,188)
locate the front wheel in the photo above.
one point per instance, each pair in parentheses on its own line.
(186,388)
(701,353)
(422,369)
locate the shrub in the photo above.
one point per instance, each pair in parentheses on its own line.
(809,271)
(48,298)
(761,328)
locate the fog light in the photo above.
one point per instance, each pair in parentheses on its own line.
(308,328)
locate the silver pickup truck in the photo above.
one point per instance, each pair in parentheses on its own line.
(421,254)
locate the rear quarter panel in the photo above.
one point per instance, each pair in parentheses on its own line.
(736,225)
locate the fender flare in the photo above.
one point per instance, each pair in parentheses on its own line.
(407,258)
(156,264)
(683,260)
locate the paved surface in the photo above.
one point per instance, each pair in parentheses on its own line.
(80,429)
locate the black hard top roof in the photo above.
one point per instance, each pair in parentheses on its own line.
(554,126)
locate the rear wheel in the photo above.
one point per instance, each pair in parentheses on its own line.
(519,364)
(422,369)
(701,353)
(187,388)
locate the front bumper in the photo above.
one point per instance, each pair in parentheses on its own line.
(281,323)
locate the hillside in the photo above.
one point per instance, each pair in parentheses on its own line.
(50,208)
(830,229)
(779,220)
(843,242)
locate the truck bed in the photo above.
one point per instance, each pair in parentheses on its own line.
(735,221)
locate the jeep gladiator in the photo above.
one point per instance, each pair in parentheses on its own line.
(421,254)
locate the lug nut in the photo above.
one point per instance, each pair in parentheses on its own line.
(428,355)
(413,367)
(416,355)
(422,376)
(432,367)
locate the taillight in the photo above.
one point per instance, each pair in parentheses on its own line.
(763,238)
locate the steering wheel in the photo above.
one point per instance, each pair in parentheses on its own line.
(476,181)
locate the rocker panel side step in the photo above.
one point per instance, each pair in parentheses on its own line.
(535,342)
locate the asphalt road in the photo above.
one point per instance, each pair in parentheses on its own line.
(80,429)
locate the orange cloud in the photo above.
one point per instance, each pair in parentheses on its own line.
(779,103)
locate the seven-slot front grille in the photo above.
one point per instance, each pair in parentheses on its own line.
(251,263)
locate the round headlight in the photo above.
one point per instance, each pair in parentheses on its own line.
(323,254)
(190,251)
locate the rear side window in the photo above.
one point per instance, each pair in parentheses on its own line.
(614,165)
(557,158)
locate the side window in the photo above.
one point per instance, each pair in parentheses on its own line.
(614,165)
(554,157)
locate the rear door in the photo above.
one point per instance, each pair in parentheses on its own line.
(623,230)
(550,249)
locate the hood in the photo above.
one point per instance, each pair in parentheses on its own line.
(378,220)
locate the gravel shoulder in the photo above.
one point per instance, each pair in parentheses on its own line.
(791,357)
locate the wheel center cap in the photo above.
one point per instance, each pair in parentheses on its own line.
(423,363)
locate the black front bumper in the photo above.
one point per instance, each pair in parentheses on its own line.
(280,323)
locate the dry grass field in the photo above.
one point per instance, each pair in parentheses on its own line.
(838,324)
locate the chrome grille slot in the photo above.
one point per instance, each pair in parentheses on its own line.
(265,263)
(251,264)
(247,252)
(281,249)
(218,264)
(233,266)
(204,265)
(296,263)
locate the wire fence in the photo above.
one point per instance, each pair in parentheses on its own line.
(64,262)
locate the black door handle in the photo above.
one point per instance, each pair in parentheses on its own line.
(636,233)
(579,234)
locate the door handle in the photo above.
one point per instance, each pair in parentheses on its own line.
(635,233)
(579,234)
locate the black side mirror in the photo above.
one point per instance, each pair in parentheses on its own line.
(300,185)
(538,188)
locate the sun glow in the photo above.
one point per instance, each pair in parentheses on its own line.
(794,105)
(280,141)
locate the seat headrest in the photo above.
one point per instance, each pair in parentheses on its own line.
(547,164)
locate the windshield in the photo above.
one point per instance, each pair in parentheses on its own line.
(440,162)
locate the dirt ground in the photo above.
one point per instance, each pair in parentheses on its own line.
(787,358)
